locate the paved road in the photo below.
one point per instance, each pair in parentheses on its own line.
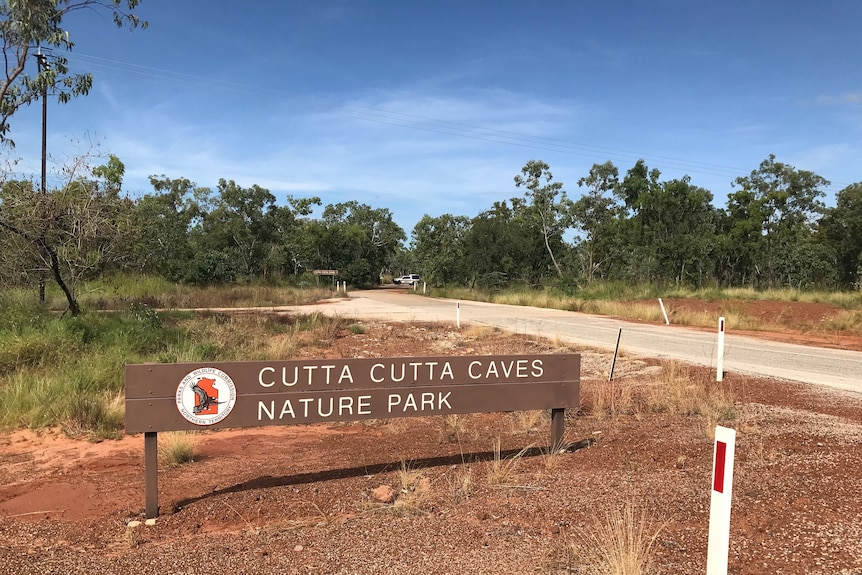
(835,368)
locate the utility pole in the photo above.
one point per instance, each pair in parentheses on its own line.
(42,65)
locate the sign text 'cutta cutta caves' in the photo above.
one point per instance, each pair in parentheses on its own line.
(171,397)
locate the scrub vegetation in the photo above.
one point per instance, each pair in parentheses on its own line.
(69,372)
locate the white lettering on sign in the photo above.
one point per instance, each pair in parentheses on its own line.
(290,377)
(363,403)
(398,372)
(407,372)
(320,407)
(500,369)
(426,402)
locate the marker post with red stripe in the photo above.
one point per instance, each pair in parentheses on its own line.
(719,507)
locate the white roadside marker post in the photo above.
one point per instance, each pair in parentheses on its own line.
(458,315)
(719,361)
(664,313)
(719,508)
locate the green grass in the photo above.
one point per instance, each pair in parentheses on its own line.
(68,372)
(116,292)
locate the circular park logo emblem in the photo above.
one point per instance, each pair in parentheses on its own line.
(206,396)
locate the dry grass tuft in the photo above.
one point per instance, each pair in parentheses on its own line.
(455,426)
(249,336)
(178,447)
(524,422)
(612,398)
(503,472)
(628,310)
(326,329)
(281,346)
(461,484)
(95,417)
(677,389)
(619,541)
(682,390)
(844,320)
(552,459)
(479,332)
(415,491)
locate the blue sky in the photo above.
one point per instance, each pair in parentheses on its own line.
(432,107)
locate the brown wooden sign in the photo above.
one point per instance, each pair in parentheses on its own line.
(187,396)
(169,397)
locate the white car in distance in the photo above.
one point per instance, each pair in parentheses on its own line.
(410,280)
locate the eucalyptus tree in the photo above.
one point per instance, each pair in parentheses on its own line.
(637,190)
(597,215)
(841,227)
(235,235)
(548,204)
(503,246)
(438,247)
(671,231)
(774,212)
(357,240)
(162,221)
(402,262)
(683,226)
(35,27)
(290,251)
(20,255)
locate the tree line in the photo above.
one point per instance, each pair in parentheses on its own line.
(183,232)
(774,232)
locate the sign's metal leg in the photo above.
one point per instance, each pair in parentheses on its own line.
(558,429)
(151,477)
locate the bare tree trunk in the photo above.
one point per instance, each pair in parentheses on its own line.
(550,251)
(74,308)
(44,248)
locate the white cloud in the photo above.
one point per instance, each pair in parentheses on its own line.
(845,98)
(412,153)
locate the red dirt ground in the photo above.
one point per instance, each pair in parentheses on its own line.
(300,499)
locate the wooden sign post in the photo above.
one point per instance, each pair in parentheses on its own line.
(194,396)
